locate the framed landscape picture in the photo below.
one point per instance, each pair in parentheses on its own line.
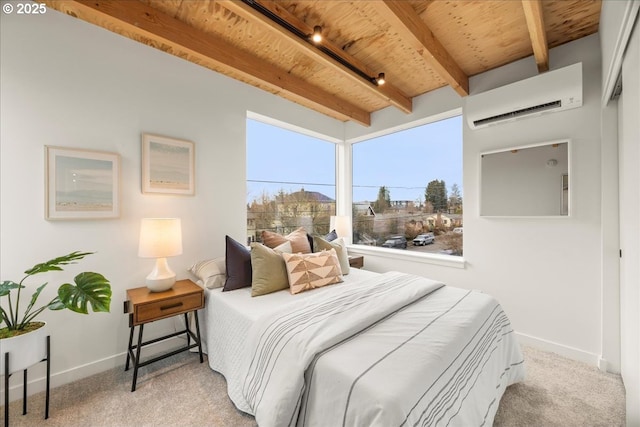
(167,165)
(81,184)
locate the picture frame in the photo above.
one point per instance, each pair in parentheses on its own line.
(168,165)
(81,184)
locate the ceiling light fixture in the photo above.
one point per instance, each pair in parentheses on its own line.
(316,37)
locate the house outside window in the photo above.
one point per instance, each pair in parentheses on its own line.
(291,181)
(408,184)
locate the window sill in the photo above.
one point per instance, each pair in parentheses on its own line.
(425,258)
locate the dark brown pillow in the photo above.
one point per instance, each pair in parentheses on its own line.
(237,264)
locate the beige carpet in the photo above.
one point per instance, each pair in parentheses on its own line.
(180,391)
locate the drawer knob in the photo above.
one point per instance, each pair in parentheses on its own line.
(169,307)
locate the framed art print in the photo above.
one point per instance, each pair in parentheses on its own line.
(167,165)
(81,184)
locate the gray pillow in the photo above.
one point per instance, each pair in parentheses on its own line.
(331,236)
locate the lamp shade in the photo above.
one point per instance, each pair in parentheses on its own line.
(342,225)
(160,237)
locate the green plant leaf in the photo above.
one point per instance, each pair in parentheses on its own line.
(91,289)
(57,305)
(7,286)
(35,295)
(4,318)
(54,264)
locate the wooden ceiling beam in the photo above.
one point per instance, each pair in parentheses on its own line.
(405,20)
(143,23)
(535,25)
(388,91)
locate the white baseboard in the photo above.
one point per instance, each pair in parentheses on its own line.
(561,349)
(603,365)
(38,384)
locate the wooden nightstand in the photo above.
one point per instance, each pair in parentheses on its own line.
(144,306)
(356,261)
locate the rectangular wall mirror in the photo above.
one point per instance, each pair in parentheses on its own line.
(526,181)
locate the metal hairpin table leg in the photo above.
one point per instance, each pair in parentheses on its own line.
(195,313)
(6,390)
(46,408)
(186,323)
(24,392)
(137,361)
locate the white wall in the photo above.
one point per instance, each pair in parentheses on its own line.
(545,272)
(68,83)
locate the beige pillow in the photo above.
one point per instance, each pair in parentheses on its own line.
(269,272)
(309,271)
(211,272)
(341,251)
(298,238)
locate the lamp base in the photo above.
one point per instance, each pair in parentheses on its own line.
(161,277)
(160,285)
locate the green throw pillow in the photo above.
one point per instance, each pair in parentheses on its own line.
(269,270)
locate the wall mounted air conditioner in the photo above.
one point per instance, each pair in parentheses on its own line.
(552,91)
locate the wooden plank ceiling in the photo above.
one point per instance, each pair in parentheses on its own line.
(419,45)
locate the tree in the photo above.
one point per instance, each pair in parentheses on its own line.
(455,200)
(383,201)
(264,212)
(436,194)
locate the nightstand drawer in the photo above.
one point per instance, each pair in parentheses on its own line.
(166,308)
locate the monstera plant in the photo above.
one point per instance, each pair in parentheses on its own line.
(89,289)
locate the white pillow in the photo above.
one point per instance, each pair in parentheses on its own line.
(211,272)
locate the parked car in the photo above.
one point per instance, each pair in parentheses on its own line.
(424,239)
(395,242)
(458,230)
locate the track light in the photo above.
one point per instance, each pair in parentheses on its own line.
(317,34)
(315,38)
(379,80)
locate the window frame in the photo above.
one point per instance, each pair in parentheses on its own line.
(300,130)
(343,155)
(344,198)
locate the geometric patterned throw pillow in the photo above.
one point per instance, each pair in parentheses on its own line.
(309,271)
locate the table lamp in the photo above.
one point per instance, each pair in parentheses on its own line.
(160,238)
(342,225)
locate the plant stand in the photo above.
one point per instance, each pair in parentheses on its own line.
(24,385)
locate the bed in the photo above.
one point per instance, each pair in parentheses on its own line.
(375,350)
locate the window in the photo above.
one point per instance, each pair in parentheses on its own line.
(291,181)
(407,189)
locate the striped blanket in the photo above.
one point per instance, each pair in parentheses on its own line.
(396,349)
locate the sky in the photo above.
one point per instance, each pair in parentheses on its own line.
(405,162)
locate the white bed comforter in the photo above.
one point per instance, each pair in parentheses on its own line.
(396,349)
(283,345)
